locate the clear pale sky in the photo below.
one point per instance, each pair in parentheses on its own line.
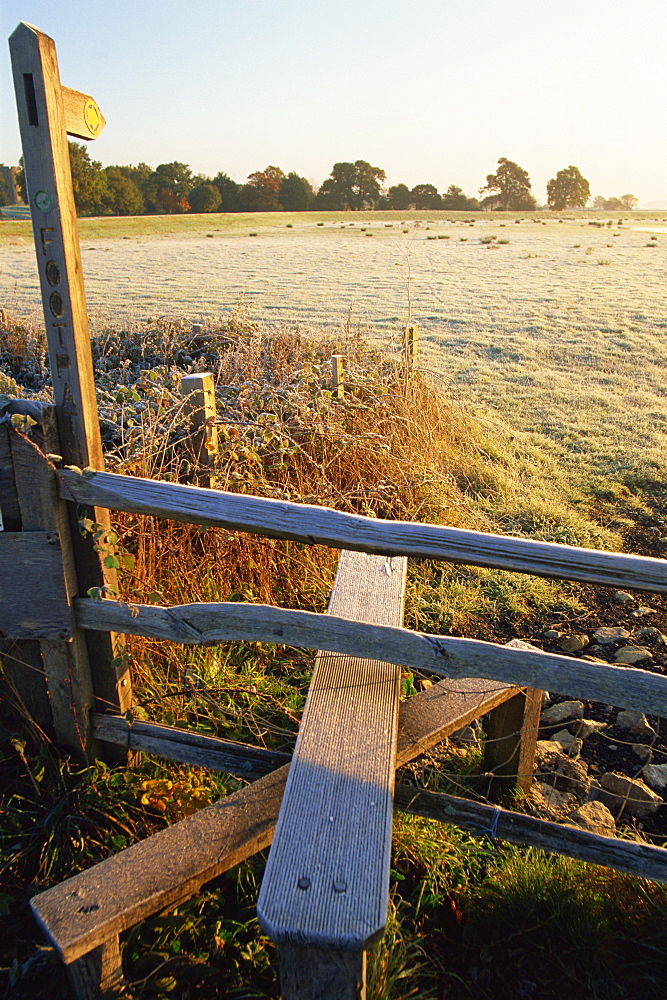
(432,91)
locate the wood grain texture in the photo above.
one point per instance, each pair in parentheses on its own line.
(188,748)
(571,841)
(33,601)
(9,504)
(99,974)
(85,911)
(66,663)
(50,195)
(83,118)
(626,687)
(326,882)
(424,720)
(310,524)
(169,867)
(321,973)
(202,444)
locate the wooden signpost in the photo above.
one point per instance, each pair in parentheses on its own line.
(47,113)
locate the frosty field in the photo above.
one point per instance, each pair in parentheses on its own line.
(554,331)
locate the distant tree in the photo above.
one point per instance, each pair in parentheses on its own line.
(425,197)
(204,197)
(260,192)
(456,201)
(628,201)
(295,193)
(599,202)
(398,198)
(4,191)
(351,186)
(568,189)
(124,197)
(229,192)
(89,182)
(509,188)
(608,204)
(167,188)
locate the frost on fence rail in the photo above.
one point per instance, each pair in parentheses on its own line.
(211,623)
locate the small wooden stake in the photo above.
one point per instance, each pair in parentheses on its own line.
(199,391)
(510,741)
(337,374)
(410,344)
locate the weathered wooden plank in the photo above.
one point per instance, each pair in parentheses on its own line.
(455,658)
(33,601)
(431,715)
(326,882)
(99,974)
(87,910)
(310,524)
(9,504)
(321,973)
(570,841)
(423,721)
(188,748)
(66,663)
(26,682)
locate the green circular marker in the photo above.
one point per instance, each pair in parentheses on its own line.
(43,201)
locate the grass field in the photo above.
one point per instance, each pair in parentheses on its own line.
(552,328)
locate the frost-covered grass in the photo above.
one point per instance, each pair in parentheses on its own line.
(517,318)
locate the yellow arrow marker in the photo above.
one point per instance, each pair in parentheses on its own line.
(83,118)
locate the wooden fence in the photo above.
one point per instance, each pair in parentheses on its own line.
(64,660)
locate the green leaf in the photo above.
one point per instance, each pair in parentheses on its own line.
(111,562)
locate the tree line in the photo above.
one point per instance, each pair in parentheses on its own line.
(173,188)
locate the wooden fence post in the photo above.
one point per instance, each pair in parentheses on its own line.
(47,112)
(410,344)
(337,375)
(199,391)
(510,742)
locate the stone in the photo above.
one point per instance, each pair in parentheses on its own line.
(574,643)
(655,776)
(467,736)
(584,728)
(649,632)
(644,753)
(635,723)
(562,711)
(632,654)
(622,597)
(622,794)
(552,799)
(641,611)
(552,634)
(594,817)
(571,744)
(607,635)
(559,771)
(522,644)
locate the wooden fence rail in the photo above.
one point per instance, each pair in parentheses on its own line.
(628,687)
(311,524)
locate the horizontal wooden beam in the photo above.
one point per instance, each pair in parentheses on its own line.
(310,524)
(623,855)
(626,687)
(187,747)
